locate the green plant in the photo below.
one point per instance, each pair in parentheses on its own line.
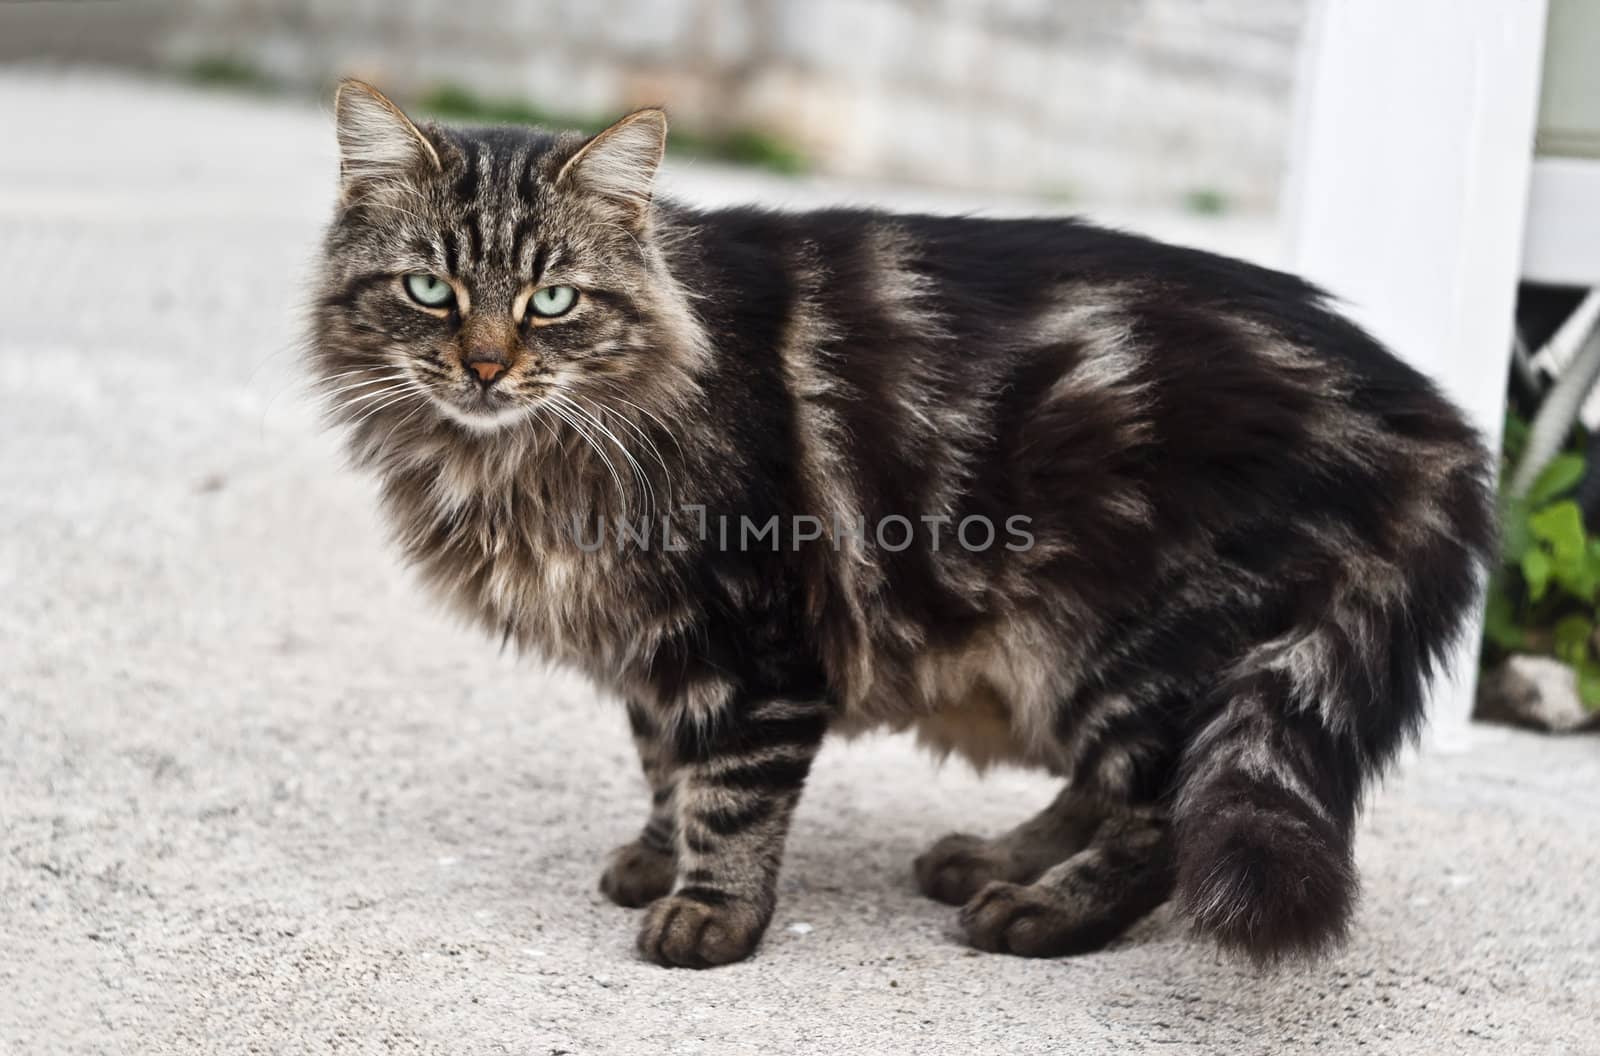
(454,101)
(228,72)
(743,146)
(1205,201)
(751,146)
(1545,596)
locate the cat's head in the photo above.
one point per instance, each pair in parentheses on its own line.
(479,280)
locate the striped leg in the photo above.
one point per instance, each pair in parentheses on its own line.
(641,871)
(737,787)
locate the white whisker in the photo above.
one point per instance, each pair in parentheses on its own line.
(359,370)
(381,444)
(665,428)
(666,473)
(638,471)
(357,386)
(411,392)
(602,402)
(587,439)
(367,397)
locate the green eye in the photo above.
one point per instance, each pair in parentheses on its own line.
(429,290)
(551,301)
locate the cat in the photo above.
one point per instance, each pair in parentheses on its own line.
(1156,521)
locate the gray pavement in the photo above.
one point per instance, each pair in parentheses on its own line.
(256,795)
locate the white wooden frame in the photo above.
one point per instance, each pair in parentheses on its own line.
(1562,243)
(1407,194)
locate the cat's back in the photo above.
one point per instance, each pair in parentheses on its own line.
(904,317)
(972,285)
(1144,407)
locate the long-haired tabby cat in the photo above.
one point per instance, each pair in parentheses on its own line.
(1158,522)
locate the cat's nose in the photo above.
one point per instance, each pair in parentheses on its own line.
(486,369)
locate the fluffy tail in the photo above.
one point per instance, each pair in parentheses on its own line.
(1396,536)
(1270,786)
(1263,821)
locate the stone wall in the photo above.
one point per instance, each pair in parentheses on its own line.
(1137,101)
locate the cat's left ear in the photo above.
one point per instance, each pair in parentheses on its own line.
(378,143)
(619,165)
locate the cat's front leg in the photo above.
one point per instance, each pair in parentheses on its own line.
(642,870)
(738,780)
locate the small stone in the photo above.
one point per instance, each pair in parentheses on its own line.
(799,929)
(1536,692)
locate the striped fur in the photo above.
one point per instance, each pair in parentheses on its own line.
(1252,532)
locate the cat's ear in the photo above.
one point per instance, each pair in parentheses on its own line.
(378,144)
(619,165)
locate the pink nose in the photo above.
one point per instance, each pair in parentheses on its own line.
(487,369)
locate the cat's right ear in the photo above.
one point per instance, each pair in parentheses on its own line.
(378,144)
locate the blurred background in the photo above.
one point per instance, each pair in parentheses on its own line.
(1157,103)
(257,794)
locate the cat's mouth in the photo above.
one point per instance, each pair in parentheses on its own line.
(482,410)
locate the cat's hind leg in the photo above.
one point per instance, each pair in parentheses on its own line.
(959,865)
(642,870)
(1126,870)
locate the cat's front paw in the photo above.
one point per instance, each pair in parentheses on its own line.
(636,875)
(683,931)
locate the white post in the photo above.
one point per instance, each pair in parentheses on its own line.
(1407,193)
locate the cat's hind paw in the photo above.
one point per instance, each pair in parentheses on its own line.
(958,866)
(1035,921)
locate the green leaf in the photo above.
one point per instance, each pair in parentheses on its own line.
(1560,525)
(1500,619)
(1572,638)
(1576,579)
(1515,437)
(1591,561)
(1559,477)
(1589,685)
(1515,536)
(1580,575)
(1536,570)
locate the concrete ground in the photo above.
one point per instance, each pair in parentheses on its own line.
(256,796)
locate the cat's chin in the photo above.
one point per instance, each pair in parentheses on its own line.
(482,420)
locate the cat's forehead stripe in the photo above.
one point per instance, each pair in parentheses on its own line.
(519,237)
(525,183)
(466,186)
(496,195)
(473,222)
(451,258)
